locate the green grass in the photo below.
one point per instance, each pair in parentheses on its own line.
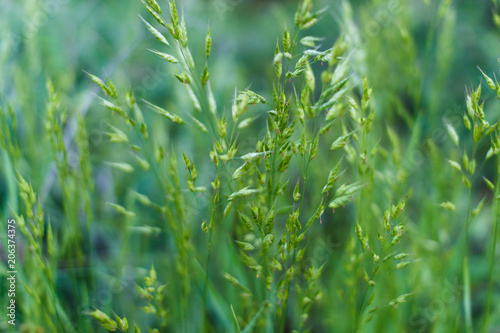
(330,184)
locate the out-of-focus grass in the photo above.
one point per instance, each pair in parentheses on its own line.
(419,57)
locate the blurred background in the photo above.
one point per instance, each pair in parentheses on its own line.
(420,57)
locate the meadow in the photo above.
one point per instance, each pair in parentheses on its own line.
(249,166)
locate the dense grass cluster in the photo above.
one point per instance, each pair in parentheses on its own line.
(302,206)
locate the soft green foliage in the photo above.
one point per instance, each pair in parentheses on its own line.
(323,190)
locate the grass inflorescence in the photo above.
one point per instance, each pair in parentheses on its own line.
(303,204)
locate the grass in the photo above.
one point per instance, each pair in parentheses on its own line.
(324,199)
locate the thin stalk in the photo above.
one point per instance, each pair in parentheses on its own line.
(361,306)
(493,249)
(467,297)
(207,267)
(465,269)
(360,218)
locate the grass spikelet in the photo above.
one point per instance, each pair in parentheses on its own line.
(155,32)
